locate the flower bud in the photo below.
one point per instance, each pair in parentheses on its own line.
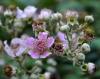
(9,70)
(89,18)
(18,25)
(86,47)
(84,67)
(8,13)
(80,56)
(24,36)
(91,68)
(39,63)
(34,76)
(14,77)
(65,28)
(52,62)
(56,16)
(51,69)
(47,75)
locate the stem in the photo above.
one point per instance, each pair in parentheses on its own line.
(69,42)
(21,66)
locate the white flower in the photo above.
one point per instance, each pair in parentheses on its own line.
(30,11)
(89,18)
(91,67)
(56,16)
(45,14)
(20,14)
(86,47)
(16,47)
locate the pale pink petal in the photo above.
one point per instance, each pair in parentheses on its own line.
(33,54)
(45,54)
(30,11)
(61,36)
(16,41)
(50,41)
(42,35)
(29,42)
(8,50)
(20,51)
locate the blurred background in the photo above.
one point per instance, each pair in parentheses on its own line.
(92,7)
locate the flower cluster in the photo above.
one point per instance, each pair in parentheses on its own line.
(58,34)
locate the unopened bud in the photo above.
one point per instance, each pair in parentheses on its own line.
(89,18)
(91,68)
(56,16)
(47,75)
(86,47)
(81,56)
(39,63)
(52,62)
(65,28)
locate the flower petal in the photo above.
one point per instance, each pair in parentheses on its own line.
(61,36)
(42,35)
(50,41)
(33,54)
(8,50)
(29,42)
(45,54)
(16,41)
(20,51)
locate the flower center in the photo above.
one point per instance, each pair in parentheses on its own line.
(41,45)
(58,47)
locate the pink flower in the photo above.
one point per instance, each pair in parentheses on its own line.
(39,47)
(74,40)
(16,47)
